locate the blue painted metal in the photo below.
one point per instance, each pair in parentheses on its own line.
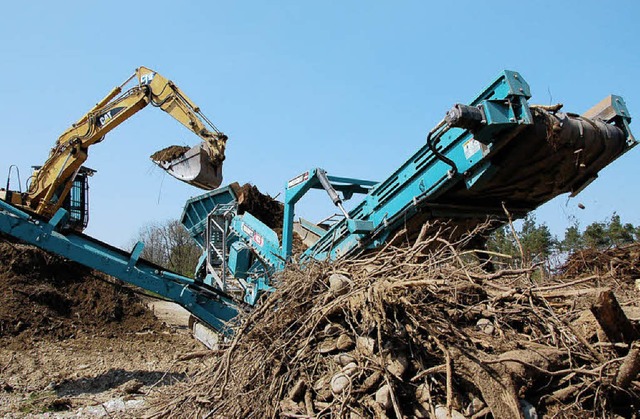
(425,176)
(260,238)
(196,210)
(300,185)
(244,249)
(308,225)
(253,252)
(264,244)
(620,108)
(462,156)
(136,252)
(616,107)
(4,206)
(209,305)
(239,260)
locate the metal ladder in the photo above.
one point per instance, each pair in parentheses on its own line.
(217,234)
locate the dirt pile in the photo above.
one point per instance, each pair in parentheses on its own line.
(411,333)
(169,153)
(266,209)
(44,296)
(75,343)
(262,206)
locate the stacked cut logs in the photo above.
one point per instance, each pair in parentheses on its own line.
(412,332)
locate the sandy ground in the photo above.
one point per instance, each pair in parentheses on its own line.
(96,376)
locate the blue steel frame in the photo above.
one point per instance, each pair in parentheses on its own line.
(463,157)
(297,187)
(424,176)
(207,304)
(386,204)
(460,156)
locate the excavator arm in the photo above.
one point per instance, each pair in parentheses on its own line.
(51,183)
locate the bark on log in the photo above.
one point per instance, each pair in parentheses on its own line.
(493,381)
(612,319)
(630,367)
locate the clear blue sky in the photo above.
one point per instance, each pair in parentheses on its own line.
(350,86)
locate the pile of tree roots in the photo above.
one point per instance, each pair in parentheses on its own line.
(621,263)
(415,332)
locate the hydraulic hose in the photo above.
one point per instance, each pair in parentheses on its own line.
(432,143)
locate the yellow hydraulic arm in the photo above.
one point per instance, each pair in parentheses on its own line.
(51,183)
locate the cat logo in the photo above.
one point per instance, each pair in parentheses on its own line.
(107,116)
(146,78)
(104,118)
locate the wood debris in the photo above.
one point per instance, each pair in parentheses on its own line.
(421,332)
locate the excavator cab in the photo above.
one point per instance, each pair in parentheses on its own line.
(77,201)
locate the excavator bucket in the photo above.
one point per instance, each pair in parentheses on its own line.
(191,165)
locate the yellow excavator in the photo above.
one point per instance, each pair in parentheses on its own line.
(61,181)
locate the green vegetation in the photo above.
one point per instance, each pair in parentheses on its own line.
(169,245)
(533,241)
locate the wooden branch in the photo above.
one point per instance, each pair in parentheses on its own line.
(308,403)
(199,354)
(570,293)
(630,367)
(433,370)
(419,283)
(564,393)
(565,284)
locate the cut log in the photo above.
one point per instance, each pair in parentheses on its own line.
(612,319)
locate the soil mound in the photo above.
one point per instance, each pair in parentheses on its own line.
(266,209)
(45,296)
(169,153)
(262,206)
(414,332)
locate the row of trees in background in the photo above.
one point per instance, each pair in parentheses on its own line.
(169,245)
(536,243)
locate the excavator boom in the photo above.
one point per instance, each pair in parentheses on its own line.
(200,166)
